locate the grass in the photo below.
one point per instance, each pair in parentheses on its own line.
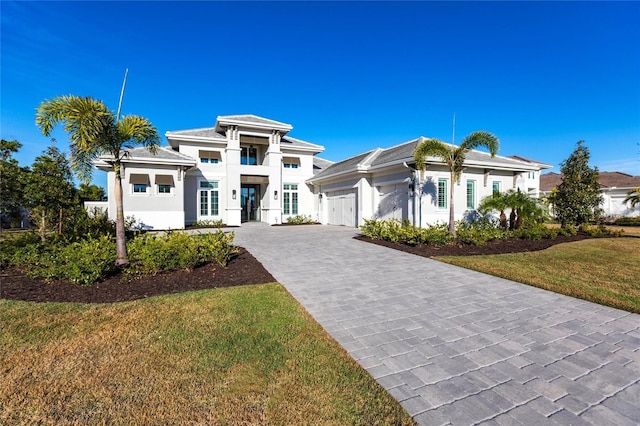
(242,355)
(605,271)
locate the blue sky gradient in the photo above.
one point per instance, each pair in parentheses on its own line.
(349,76)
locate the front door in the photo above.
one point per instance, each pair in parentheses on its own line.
(250,202)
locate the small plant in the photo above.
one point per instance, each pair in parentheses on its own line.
(208,223)
(301,219)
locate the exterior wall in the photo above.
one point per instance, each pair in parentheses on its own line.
(387,194)
(269,173)
(613,204)
(152,209)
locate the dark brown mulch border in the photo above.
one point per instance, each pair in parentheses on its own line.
(511,245)
(243,269)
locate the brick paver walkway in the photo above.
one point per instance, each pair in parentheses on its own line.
(455,346)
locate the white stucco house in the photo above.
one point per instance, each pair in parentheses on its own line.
(247,168)
(614,186)
(383,183)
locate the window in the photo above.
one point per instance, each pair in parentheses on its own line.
(290,198)
(139,188)
(471,194)
(249,156)
(139,182)
(531,175)
(164,182)
(442,193)
(495,186)
(209,198)
(209,157)
(291,162)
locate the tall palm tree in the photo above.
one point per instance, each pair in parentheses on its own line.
(453,157)
(633,197)
(95,130)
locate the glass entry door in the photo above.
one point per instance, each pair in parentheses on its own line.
(250,202)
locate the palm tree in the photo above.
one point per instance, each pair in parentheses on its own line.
(94,130)
(633,197)
(454,156)
(497,201)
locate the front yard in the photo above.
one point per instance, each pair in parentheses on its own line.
(601,270)
(240,355)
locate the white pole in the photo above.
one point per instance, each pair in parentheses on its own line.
(453,137)
(124,83)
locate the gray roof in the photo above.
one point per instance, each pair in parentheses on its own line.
(288,141)
(350,164)
(250,118)
(164,153)
(205,132)
(404,153)
(320,164)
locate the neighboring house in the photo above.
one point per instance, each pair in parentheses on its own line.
(382,183)
(247,168)
(614,185)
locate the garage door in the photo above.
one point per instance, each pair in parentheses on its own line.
(393,202)
(342,209)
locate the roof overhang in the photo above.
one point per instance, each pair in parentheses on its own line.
(223,121)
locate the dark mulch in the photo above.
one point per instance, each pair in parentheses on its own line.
(242,269)
(511,245)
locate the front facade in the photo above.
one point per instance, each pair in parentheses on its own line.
(384,184)
(247,168)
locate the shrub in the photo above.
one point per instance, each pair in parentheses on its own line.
(403,232)
(478,232)
(301,219)
(82,262)
(599,231)
(151,254)
(627,221)
(208,223)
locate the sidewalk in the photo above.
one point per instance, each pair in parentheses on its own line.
(456,346)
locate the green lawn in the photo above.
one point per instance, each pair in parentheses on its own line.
(242,355)
(605,271)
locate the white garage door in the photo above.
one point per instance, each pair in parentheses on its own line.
(342,208)
(393,202)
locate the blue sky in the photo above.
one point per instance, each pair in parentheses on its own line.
(348,76)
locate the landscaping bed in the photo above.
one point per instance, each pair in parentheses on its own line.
(242,269)
(508,245)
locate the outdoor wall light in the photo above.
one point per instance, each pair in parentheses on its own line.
(233,194)
(275,195)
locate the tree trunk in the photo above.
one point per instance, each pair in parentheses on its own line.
(43,224)
(60,222)
(452,223)
(121,243)
(503,221)
(512,220)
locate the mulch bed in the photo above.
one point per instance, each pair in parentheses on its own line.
(511,245)
(243,269)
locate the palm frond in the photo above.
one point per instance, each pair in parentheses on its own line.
(430,148)
(136,130)
(481,138)
(633,197)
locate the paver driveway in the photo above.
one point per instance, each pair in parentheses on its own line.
(455,346)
